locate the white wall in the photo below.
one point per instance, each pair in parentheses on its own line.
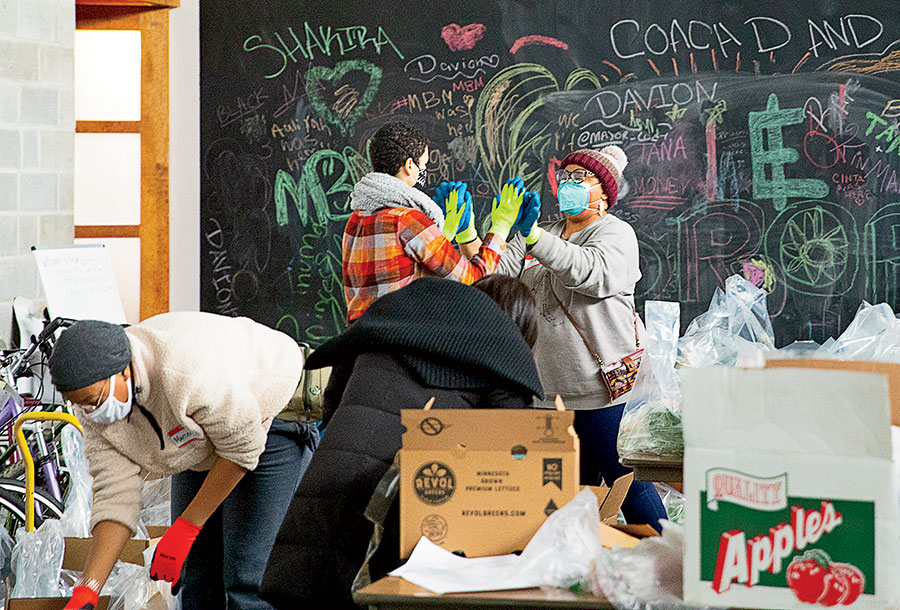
(37,139)
(184,156)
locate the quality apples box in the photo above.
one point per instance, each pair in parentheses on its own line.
(482,481)
(788,489)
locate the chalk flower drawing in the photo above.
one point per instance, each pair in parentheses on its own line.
(813,250)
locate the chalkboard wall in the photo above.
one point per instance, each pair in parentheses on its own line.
(762,139)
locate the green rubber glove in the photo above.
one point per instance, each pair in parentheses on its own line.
(505,210)
(452,215)
(469,234)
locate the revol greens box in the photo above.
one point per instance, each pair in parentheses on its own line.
(482,481)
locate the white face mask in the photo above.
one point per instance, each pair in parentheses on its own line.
(112,409)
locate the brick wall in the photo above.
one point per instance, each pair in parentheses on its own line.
(37,131)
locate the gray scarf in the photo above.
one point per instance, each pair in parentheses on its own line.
(377,191)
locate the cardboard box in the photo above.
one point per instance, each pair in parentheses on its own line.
(57,603)
(610,499)
(74,558)
(47,603)
(482,481)
(77,549)
(889,369)
(788,465)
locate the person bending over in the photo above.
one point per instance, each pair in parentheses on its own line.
(200,397)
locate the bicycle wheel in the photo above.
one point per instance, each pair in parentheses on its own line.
(12,512)
(47,506)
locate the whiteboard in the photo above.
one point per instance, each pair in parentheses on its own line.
(79,283)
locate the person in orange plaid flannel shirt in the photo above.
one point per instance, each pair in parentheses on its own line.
(396,232)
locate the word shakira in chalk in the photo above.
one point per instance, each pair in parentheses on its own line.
(325,40)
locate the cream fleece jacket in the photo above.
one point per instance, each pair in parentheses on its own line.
(213,385)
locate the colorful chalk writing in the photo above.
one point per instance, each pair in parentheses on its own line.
(769,156)
(816,243)
(760,144)
(322,40)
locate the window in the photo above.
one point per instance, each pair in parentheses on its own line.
(121,144)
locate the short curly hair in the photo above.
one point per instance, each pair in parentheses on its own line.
(393,144)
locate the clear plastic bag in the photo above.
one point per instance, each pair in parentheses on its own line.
(156,502)
(77,517)
(130,587)
(673,502)
(651,420)
(798,349)
(874,334)
(6,551)
(645,577)
(735,328)
(563,549)
(37,560)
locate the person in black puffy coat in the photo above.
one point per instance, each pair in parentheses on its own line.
(466,346)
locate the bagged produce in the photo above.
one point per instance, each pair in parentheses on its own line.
(874,334)
(645,577)
(736,327)
(651,421)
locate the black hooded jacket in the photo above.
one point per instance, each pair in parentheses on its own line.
(433,338)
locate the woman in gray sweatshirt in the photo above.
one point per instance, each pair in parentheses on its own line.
(588,261)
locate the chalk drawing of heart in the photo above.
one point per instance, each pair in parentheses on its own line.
(462,38)
(348,106)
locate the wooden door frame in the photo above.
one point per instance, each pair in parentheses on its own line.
(153,128)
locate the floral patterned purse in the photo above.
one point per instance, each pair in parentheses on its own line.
(618,376)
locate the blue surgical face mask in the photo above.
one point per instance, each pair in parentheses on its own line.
(573,198)
(112,409)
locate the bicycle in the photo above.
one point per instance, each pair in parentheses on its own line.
(44,442)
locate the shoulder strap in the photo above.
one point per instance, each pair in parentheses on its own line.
(637,340)
(572,320)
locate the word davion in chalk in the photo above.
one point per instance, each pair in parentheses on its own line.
(323,40)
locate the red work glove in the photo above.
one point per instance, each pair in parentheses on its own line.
(172,550)
(82,598)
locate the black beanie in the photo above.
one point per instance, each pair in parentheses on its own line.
(87,352)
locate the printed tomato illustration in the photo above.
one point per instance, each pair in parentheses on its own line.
(806,577)
(855,579)
(815,579)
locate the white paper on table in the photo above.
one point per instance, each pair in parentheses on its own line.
(441,571)
(560,552)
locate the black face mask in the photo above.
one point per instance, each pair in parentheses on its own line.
(423,174)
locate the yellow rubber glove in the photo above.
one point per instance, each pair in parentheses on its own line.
(452,215)
(505,210)
(468,234)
